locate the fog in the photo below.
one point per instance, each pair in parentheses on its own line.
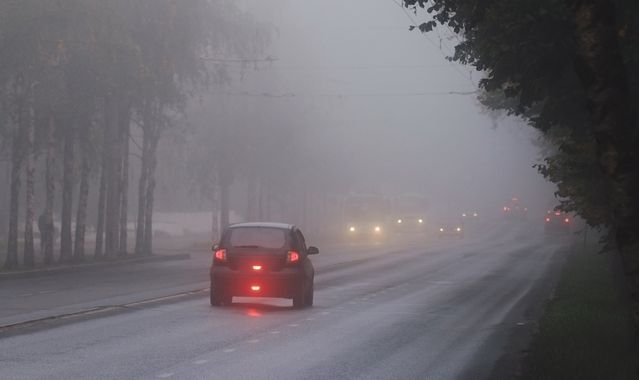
(344,99)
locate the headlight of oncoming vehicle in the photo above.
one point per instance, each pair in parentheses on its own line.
(378,229)
(458,229)
(420,221)
(351,229)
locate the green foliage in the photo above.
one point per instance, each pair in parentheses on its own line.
(528,54)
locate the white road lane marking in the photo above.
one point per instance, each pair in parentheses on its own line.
(228,350)
(254,341)
(165,375)
(202,361)
(293,324)
(274,332)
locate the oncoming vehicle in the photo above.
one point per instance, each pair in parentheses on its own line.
(410,223)
(262,260)
(410,213)
(450,230)
(557,222)
(366,217)
(470,216)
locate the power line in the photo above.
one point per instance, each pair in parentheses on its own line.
(358,67)
(349,95)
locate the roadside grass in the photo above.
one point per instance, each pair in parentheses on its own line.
(586,330)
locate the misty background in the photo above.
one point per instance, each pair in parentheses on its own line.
(363,106)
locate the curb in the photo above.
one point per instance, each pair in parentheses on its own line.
(91,265)
(94,312)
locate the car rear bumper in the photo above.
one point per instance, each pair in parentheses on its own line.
(282,284)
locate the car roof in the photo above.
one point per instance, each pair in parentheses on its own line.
(283,226)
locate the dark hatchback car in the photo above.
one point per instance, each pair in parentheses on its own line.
(262,260)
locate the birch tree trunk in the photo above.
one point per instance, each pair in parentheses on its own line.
(99,228)
(113,179)
(140,224)
(124,184)
(224,201)
(215,210)
(50,193)
(28,256)
(150,189)
(83,196)
(11,261)
(66,242)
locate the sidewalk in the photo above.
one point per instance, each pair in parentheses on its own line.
(165,249)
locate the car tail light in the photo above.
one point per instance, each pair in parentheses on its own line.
(292,257)
(547,220)
(220,255)
(567,220)
(257,267)
(255,288)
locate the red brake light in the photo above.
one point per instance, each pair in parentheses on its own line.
(256,288)
(292,257)
(220,255)
(557,213)
(547,220)
(567,220)
(257,267)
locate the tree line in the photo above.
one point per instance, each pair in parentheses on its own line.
(570,68)
(76,78)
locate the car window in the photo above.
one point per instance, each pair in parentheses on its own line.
(257,237)
(300,240)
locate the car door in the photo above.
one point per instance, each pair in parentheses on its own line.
(309,271)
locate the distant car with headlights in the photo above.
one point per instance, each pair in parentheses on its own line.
(470,216)
(410,224)
(410,212)
(514,209)
(366,231)
(557,222)
(366,218)
(450,230)
(262,260)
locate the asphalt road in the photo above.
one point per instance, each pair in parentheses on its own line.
(411,309)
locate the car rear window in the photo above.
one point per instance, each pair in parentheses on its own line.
(257,237)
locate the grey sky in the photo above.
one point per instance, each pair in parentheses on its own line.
(376,97)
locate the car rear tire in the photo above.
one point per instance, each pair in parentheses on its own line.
(309,296)
(299,300)
(218,299)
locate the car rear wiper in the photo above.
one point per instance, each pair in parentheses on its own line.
(247,246)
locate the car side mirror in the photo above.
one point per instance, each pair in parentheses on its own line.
(312,250)
(215,247)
